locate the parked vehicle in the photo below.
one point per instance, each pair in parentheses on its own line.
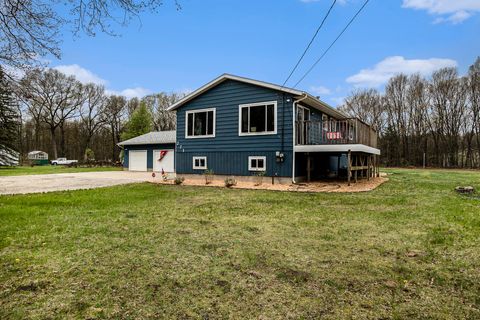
(63,161)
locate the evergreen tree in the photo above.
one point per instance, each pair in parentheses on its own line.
(8,122)
(140,122)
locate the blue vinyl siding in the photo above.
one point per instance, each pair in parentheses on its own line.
(228,152)
(226,98)
(149,148)
(233,163)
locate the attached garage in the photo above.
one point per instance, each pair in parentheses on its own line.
(137,160)
(154,151)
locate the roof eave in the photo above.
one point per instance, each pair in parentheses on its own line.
(224,77)
(324,107)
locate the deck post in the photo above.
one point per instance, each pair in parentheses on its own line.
(378,166)
(368,167)
(349,166)
(362,163)
(308,168)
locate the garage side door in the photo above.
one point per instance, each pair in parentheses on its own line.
(167,163)
(137,160)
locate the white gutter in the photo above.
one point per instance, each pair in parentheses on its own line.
(295,132)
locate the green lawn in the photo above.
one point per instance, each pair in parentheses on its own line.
(24,170)
(408,250)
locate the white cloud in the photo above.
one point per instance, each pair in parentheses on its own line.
(320,90)
(137,92)
(86,76)
(83,75)
(391,66)
(454,11)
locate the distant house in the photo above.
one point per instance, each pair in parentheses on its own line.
(240,126)
(38,157)
(243,127)
(154,151)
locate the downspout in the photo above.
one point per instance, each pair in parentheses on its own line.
(295,133)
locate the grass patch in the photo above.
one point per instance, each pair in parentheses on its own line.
(407,250)
(48,169)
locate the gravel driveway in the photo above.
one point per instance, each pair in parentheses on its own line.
(70,181)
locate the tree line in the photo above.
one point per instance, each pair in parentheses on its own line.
(56,113)
(431,121)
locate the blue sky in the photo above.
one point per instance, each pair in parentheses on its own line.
(181,50)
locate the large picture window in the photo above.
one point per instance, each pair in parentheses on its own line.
(258,118)
(200,123)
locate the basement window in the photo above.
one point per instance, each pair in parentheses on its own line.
(200,163)
(256,163)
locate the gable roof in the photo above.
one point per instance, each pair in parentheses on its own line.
(308,98)
(155,137)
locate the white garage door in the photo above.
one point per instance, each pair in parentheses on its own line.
(167,163)
(137,160)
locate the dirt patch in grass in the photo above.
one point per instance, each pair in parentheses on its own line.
(362,185)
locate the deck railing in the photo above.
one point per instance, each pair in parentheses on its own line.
(348,131)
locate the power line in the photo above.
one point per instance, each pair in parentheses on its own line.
(331,45)
(311,41)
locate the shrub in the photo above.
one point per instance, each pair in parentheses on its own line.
(230,182)
(258,177)
(209,176)
(179,180)
(89,155)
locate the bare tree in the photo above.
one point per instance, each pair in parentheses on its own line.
(133,105)
(448,97)
(367,106)
(58,96)
(474,99)
(158,103)
(113,114)
(417,101)
(29,29)
(91,111)
(396,111)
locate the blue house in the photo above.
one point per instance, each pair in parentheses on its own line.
(239,126)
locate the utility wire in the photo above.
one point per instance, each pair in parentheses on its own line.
(331,45)
(311,41)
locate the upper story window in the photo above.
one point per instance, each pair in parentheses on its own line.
(200,123)
(258,118)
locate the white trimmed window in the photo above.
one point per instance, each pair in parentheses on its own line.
(257,118)
(200,123)
(200,163)
(257,163)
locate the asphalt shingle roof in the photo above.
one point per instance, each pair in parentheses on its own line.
(156,137)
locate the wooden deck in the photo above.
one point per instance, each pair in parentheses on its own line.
(335,132)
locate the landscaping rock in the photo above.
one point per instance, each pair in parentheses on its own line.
(467,190)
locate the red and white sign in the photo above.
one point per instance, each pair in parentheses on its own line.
(334,135)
